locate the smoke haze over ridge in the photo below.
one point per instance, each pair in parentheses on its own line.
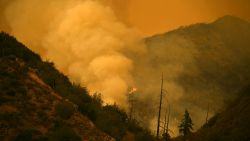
(203,64)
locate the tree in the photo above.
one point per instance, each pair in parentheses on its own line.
(186,125)
(166,136)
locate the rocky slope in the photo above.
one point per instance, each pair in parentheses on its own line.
(30,109)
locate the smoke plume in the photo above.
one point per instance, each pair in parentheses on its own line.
(84,38)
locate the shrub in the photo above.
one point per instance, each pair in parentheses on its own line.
(64,134)
(144,136)
(25,135)
(65,109)
(112,120)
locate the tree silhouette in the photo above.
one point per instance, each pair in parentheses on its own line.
(166,136)
(186,125)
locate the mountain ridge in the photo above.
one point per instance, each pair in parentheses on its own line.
(221,20)
(202,64)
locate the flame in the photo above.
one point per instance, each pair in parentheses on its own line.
(134,89)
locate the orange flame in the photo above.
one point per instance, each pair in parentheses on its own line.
(134,89)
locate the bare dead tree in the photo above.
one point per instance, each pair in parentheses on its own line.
(159,113)
(207,114)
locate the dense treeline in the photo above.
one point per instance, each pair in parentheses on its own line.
(109,118)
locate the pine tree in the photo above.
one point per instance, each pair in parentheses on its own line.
(186,125)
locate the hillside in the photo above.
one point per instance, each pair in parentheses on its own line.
(203,64)
(31,110)
(219,51)
(232,124)
(37,102)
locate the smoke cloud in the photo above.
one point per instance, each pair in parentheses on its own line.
(84,38)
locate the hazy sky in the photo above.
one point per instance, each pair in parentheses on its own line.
(157,16)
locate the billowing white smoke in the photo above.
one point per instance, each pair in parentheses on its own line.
(84,38)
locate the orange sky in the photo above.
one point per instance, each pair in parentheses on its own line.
(157,16)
